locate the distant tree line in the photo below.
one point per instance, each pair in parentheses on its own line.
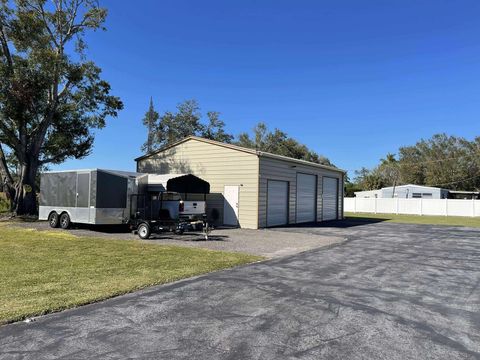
(443,161)
(188,120)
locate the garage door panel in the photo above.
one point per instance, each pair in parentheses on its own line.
(306,197)
(277,202)
(330,198)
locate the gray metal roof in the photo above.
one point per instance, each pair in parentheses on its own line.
(243,149)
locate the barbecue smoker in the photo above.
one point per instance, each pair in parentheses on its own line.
(162,208)
(147,203)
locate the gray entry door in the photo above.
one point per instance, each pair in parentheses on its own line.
(330,198)
(83,187)
(82,212)
(277,202)
(306,197)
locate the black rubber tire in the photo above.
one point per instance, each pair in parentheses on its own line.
(143,231)
(65,221)
(53,220)
(178,231)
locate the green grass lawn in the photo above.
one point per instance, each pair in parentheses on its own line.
(47,271)
(417,219)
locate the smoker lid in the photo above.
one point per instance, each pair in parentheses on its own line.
(189,184)
(181,183)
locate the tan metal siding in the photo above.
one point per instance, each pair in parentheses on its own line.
(219,166)
(287,171)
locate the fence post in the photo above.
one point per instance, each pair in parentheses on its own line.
(446,207)
(421,206)
(396,201)
(473,206)
(375,203)
(355,204)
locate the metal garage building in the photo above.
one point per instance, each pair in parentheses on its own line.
(250,188)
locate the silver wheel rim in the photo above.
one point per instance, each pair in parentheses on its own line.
(143,231)
(64,221)
(52,220)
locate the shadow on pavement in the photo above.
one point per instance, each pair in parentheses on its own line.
(197,237)
(346,223)
(124,229)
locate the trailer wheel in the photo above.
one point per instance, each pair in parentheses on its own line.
(143,231)
(53,219)
(65,221)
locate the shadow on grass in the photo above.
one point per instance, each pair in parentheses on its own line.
(107,229)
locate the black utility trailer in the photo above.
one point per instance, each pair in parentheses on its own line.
(159,208)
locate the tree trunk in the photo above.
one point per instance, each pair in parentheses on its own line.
(25,200)
(10,192)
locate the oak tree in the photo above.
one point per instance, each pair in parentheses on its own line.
(51,96)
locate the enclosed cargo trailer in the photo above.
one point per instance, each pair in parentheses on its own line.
(94,196)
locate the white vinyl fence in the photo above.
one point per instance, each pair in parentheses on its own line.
(443,207)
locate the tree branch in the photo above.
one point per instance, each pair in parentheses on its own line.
(57,157)
(5,48)
(72,20)
(50,32)
(10,134)
(4,171)
(65,89)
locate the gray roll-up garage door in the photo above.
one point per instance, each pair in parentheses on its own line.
(277,202)
(306,197)
(330,198)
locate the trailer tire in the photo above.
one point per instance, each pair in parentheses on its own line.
(143,231)
(53,220)
(65,221)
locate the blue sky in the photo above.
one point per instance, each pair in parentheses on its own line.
(351,79)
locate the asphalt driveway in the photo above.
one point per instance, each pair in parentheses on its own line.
(268,243)
(391,291)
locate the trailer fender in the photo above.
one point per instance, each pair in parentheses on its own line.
(61,211)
